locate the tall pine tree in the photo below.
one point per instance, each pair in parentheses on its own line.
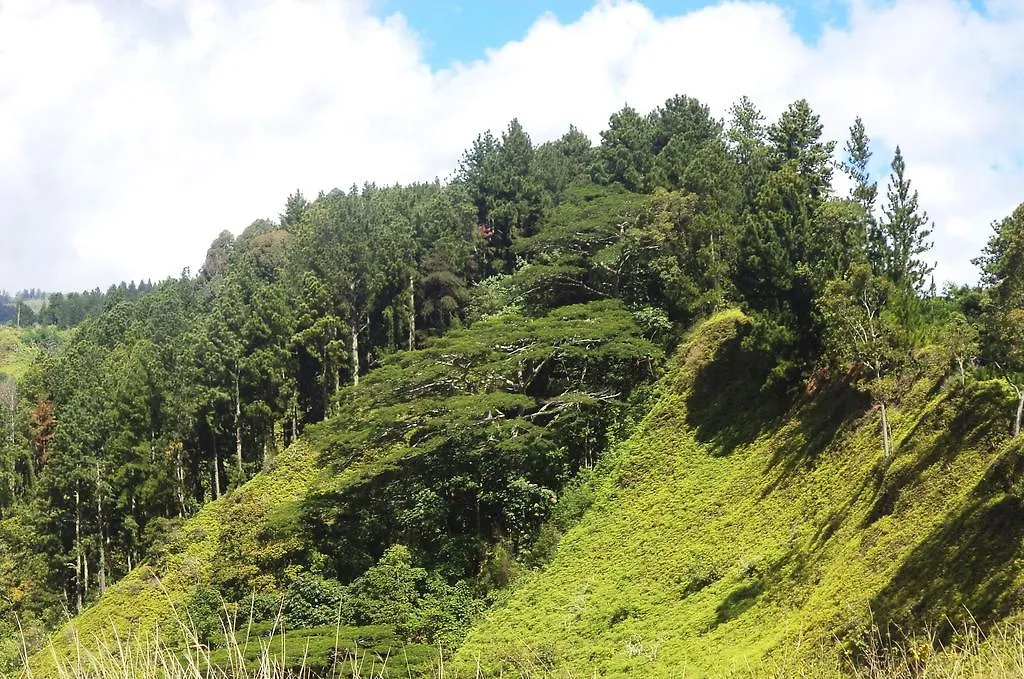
(905,231)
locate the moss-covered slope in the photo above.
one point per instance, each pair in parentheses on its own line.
(726,536)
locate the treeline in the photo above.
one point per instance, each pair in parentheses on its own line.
(13,307)
(65,310)
(28,293)
(504,319)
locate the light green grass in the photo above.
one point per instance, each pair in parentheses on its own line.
(15,357)
(724,539)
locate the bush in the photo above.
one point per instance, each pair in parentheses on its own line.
(313,601)
(386,594)
(444,614)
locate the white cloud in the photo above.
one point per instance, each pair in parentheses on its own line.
(133,132)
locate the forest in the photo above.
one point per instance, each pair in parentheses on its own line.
(463,355)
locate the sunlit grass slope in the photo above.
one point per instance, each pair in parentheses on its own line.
(731,534)
(15,357)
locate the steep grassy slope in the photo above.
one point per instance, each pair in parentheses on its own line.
(725,536)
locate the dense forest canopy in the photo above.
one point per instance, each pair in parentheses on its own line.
(481,341)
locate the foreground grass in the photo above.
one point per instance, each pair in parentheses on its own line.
(252,652)
(245,654)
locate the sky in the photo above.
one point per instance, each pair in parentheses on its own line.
(132,132)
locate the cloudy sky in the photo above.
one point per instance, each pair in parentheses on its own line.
(133,131)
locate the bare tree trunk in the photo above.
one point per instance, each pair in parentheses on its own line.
(216,471)
(1020,411)
(85,573)
(133,553)
(295,423)
(9,400)
(885,433)
(963,375)
(238,429)
(354,331)
(99,513)
(179,478)
(78,551)
(412,313)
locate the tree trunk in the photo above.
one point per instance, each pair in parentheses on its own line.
(216,471)
(238,429)
(78,551)
(295,423)
(963,375)
(85,573)
(1020,411)
(99,514)
(885,433)
(354,331)
(412,313)
(179,478)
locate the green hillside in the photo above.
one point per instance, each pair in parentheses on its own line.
(668,405)
(150,594)
(170,596)
(722,538)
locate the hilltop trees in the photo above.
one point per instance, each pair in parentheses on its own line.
(1002,266)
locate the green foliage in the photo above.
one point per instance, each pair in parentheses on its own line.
(904,235)
(387,592)
(474,447)
(313,601)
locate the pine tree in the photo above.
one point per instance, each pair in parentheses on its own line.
(294,208)
(904,231)
(797,137)
(746,138)
(864,192)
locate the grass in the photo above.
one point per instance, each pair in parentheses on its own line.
(245,651)
(15,357)
(707,554)
(249,651)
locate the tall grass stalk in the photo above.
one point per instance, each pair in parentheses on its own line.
(968,654)
(182,655)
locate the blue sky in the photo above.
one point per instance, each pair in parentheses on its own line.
(462,30)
